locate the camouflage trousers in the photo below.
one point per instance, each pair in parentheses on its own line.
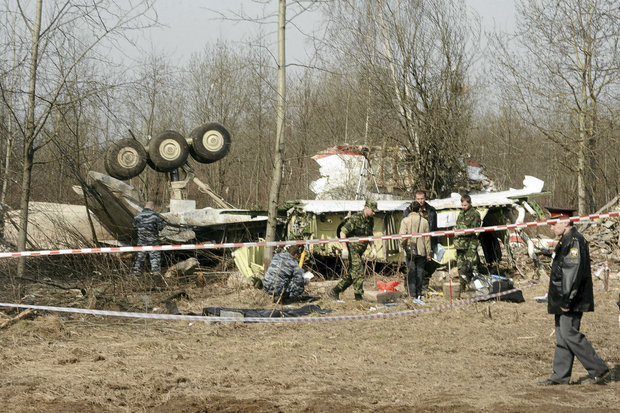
(155,257)
(467,259)
(355,275)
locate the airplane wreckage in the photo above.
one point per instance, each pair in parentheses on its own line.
(345,170)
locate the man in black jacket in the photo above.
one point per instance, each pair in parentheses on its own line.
(570,295)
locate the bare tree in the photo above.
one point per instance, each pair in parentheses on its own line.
(563,71)
(416,57)
(56,40)
(276,178)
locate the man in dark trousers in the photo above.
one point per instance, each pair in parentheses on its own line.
(429,213)
(147,224)
(570,295)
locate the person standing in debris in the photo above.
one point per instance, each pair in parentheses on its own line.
(147,224)
(417,250)
(466,245)
(427,211)
(569,296)
(284,279)
(360,224)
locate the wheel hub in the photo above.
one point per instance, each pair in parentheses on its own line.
(213,141)
(128,157)
(170,150)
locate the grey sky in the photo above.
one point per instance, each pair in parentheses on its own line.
(189,25)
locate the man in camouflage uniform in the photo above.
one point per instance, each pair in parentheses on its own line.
(284,279)
(360,224)
(467,259)
(147,224)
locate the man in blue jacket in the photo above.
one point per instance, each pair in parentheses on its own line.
(570,295)
(284,279)
(147,224)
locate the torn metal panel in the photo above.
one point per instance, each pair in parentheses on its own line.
(341,168)
(116,203)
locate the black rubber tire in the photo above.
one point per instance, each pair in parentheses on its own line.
(210,142)
(168,151)
(125,159)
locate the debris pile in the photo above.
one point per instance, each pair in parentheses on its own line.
(604,236)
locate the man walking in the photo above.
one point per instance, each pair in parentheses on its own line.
(360,224)
(147,224)
(570,295)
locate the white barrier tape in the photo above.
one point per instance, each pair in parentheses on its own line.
(303,242)
(266,319)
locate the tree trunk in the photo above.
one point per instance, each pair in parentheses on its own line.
(29,140)
(7,162)
(276,179)
(582,170)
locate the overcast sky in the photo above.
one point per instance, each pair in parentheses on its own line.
(188,25)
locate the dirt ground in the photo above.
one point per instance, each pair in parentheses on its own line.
(480,357)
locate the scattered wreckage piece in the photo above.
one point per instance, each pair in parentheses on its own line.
(322,219)
(182,268)
(114,202)
(343,167)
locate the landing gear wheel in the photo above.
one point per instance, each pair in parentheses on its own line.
(125,159)
(210,142)
(167,151)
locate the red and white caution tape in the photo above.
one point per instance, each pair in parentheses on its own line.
(155,316)
(179,247)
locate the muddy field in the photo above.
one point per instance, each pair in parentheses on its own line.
(480,357)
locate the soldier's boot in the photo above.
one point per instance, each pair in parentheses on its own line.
(334,293)
(359,297)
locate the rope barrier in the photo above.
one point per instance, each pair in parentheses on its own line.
(180,247)
(155,316)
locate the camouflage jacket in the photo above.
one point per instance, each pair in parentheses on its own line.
(147,224)
(358,226)
(467,219)
(284,274)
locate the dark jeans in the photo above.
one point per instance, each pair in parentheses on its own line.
(415,276)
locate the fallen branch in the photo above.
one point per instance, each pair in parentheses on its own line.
(18,317)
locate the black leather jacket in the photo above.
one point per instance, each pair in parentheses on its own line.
(570,284)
